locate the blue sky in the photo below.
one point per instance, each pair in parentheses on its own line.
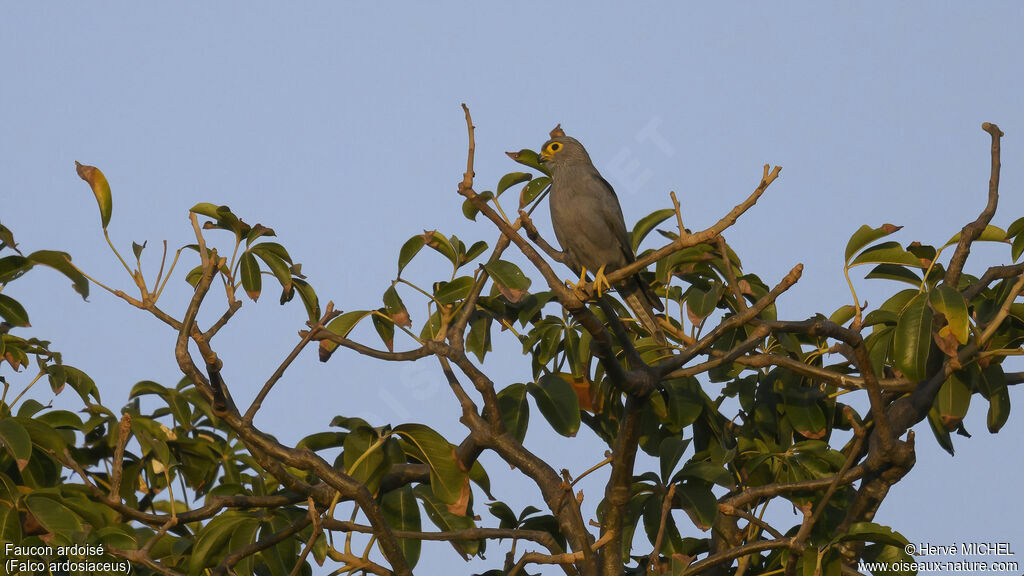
(339,125)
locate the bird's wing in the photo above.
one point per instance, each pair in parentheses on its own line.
(612,212)
(617,225)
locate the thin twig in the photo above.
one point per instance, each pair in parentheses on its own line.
(740,513)
(699,237)
(279,372)
(666,509)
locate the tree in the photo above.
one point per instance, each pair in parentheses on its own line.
(743,408)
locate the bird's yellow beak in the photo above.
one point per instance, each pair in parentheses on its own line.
(545,155)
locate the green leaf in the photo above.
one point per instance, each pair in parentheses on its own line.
(395,308)
(866,235)
(1015,229)
(475,250)
(100,188)
(442,245)
(11,267)
(509,180)
(502,512)
(344,324)
(322,441)
(698,502)
(410,249)
(61,262)
(701,303)
(998,410)
(871,532)
(257,232)
(424,444)
(804,413)
(947,301)
(144,387)
(478,341)
(213,540)
(989,234)
(451,292)
(886,253)
(532,190)
(250,271)
(81,383)
(529,158)
(707,472)
(469,208)
(685,402)
(881,317)
(12,311)
(1017,247)
(278,265)
(894,272)
(557,401)
(138,248)
(913,338)
(670,451)
(439,514)
(644,226)
(515,410)
(55,517)
(899,301)
(273,249)
(952,402)
(205,209)
(363,457)
(991,382)
(402,513)
(16,441)
(634,510)
(7,239)
(386,330)
(44,437)
(684,259)
(507,274)
(152,437)
(60,419)
(939,431)
(843,314)
(225,219)
(309,298)
(194,275)
(478,476)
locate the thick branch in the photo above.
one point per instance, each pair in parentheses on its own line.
(617,490)
(971,231)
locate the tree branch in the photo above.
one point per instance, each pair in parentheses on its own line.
(971,231)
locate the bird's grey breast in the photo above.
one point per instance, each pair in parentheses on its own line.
(586,218)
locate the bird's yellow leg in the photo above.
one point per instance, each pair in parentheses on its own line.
(576,287)
(600,282)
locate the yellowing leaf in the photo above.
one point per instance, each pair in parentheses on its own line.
(100,188)
(947,301)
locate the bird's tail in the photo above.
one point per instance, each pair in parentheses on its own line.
(642,305)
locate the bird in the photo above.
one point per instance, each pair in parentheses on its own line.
(588,223)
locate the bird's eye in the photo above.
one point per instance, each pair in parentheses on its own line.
(555,147)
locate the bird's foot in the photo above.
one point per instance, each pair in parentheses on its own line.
(600,282)
(600,285)
(577,287)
